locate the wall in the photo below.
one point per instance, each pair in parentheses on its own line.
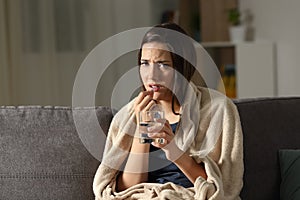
(278,21)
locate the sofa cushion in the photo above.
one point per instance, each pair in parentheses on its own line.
(42,155)
(290,174)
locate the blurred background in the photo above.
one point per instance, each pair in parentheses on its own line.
(43,43)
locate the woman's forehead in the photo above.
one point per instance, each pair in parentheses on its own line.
(155,51)
(156,45)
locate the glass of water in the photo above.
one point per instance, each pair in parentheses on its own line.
(148,119)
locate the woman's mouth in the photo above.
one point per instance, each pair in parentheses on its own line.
(155,88)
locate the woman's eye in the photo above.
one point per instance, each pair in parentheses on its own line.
(144,63)
(163,65)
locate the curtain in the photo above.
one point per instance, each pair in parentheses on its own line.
(43,43)
(5,85)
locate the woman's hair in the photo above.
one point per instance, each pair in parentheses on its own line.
(182,52)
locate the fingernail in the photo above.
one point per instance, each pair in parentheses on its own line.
(150,129)
(150,134)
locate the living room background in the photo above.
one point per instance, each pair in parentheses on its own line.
(43,42)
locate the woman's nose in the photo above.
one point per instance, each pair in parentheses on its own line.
(153,70)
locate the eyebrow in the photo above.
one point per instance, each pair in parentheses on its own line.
(160,61)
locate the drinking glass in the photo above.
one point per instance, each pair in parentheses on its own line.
(148,119)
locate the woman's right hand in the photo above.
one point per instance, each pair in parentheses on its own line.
(143,102)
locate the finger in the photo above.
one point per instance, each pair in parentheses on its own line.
(163,135)
(140,104)
(144,103)
(166,134)
(160,142)
(164,121)
(163,125)
(149,105)
(157,127)
(141,96)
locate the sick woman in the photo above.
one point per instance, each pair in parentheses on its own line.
(197,150)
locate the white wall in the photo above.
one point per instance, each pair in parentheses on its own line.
(278,21)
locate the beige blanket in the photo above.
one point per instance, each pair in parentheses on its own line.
(212,136)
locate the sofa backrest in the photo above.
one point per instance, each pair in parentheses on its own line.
(268,125)
(42,156)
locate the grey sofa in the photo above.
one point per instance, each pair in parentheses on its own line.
(42,156)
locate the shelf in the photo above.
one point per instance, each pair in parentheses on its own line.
(217,44)
(253,63)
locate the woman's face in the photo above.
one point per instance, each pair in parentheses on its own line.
(157,70)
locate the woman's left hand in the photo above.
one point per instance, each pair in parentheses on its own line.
(163,138)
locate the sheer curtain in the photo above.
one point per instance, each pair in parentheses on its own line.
(5,83)
(43,43)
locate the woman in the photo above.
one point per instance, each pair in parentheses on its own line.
(196,153)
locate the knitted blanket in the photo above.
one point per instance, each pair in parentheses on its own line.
(210,132)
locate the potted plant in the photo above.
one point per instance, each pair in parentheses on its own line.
(236,30)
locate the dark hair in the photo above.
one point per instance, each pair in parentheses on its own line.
(182,51)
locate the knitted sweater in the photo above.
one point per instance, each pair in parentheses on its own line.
(210,132)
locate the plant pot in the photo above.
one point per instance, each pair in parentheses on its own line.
(237,33)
